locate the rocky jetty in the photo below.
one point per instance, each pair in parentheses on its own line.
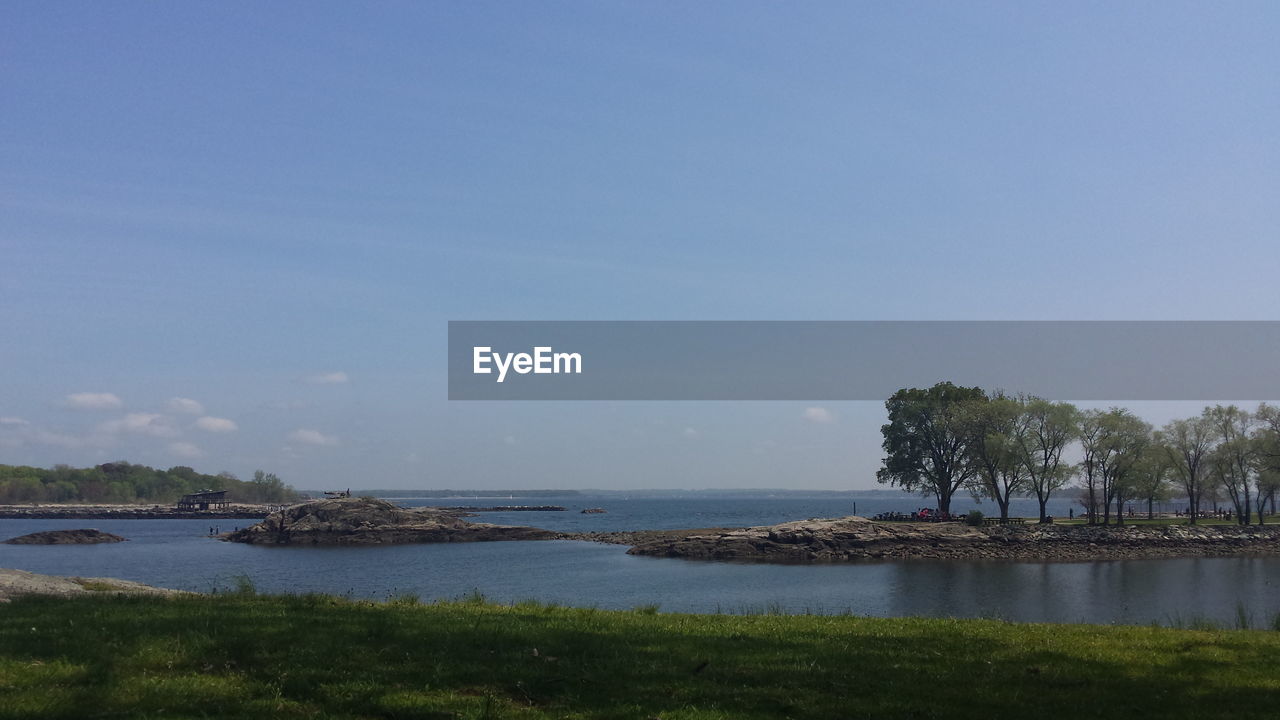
(855,538)
(17,583)
(370,521)
(594,511)
(65,537)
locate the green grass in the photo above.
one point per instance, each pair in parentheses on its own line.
(242,655)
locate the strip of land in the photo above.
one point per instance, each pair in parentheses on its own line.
(854,539)
(60,511)
(244,656)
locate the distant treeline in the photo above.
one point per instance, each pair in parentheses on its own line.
(123,482)
(464,493)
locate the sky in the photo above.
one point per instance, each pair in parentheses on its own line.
(232,234)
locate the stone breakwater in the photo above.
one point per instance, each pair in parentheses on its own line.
(854,538)
(128,512)
(368,521)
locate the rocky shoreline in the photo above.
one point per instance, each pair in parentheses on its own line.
(369,521)
(19,583)
(857,539)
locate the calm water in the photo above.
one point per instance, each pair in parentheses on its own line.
(177,553)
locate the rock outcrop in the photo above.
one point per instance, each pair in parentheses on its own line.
(16,583)
(855,538)
(594,511)
(65,537)
(370,521)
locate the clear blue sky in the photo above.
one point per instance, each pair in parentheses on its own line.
(272,209)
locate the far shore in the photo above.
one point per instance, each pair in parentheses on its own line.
(134,511)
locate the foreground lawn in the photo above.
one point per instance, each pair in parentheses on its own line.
(267,657)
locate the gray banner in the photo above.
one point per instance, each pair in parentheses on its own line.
(861,360)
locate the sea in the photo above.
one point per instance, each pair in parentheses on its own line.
(181,554)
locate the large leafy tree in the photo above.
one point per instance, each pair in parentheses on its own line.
(927,440)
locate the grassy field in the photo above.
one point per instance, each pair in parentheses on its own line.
(248,656)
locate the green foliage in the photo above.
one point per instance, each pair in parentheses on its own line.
(234,656)
(123,482)
(974,518)
(928,438)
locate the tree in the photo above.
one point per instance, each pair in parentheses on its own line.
(1114,442)
(1044,430)
(1128,439)
(1092,436)
(995,451)
(1233,460)
(926,440)
(267,487)
(1153,477)
(1267,457)
(1187,443)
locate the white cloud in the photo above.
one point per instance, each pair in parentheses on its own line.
(153,424)
(690,432)
(509,440)
(819,415)
(13,421)
(312,437)
(185,450)
(93,401)
(328,378)
(216,424)
(186,405)
(56,439)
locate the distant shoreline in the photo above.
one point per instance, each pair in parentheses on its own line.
(69,511)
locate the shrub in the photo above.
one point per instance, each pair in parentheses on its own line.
(974,518)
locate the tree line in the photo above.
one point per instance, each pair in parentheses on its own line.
(123,482)
(947,439)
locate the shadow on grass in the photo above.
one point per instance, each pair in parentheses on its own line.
(241,656)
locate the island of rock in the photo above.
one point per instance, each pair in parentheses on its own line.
(370,521)
(65,537)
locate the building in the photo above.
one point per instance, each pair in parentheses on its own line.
(204,500)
